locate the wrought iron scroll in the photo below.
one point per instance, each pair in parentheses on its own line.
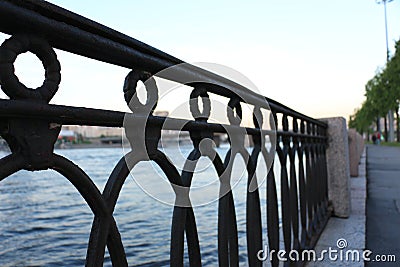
(30,126)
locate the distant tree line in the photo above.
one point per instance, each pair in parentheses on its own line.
(382,94)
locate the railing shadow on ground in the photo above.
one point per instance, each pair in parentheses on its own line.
(30,126)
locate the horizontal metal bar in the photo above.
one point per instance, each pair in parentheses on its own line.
(106,118)
(73,33)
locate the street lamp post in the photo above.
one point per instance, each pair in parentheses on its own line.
(390,113)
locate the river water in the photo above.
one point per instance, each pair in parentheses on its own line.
(45,222)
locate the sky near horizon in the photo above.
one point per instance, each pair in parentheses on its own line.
(313,56)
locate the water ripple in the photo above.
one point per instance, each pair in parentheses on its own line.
(45,222)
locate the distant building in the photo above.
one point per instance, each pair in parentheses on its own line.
(67,136)
(161,113)
(94,131)
(97,131)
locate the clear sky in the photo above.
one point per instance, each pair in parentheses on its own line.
(314,56)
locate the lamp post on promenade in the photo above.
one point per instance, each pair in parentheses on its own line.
(390,113)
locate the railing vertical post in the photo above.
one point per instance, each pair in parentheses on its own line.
(337,157)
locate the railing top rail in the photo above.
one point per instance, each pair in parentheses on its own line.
(71,32)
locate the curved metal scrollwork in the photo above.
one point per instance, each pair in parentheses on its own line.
(32,141)
(203,146)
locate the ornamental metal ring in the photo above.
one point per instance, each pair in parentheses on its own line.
(234,104)
(194,103)
(130,93)
(10,84)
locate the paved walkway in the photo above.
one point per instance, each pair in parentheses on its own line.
(383,203)
(351,229)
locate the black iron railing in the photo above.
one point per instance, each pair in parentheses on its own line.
(30,126)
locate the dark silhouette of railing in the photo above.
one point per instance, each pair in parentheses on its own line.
(30,126)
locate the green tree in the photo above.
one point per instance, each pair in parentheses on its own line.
(382,94)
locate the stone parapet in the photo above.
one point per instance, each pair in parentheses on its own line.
(337,156)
